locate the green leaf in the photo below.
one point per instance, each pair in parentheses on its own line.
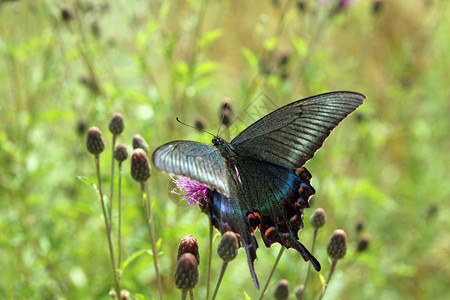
(251,58)
(271,43)
(86,180)
(131,258)
(209,37)
(300,46)
(139,297)
(247,297)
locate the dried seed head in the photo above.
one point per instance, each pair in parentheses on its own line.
(116,124)
(282,290)
(139,142)
(363,243)
(140,167)
(186,274)
(337,247)
(318,218)
(121,152)
(299,292)
(94,141)
(188,244)
(228,247)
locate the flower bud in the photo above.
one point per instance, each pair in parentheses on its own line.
(116,124)
(282,290)
(186,274)
(199,124)
(188,244)
(363,243)
(359,226)
(94,141)
(139,142)
(299,292)
(228,247)
(337,247)
(226,112)
(140,167)
(66,14)
(120,153)
(318,218)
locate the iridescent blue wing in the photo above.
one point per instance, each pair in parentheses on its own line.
(198,161)
(291,135)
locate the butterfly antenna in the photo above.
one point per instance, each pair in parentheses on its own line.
(223,116)
(193,127)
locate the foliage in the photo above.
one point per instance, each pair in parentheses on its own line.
(67,66)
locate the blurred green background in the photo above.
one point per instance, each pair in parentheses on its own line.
(68,65)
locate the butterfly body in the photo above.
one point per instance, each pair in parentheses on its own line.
(258,180)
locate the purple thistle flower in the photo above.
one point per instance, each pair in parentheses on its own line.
(191,191)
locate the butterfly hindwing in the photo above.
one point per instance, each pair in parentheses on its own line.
(291,135)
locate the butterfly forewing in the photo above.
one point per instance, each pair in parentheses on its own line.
(291,135)
(194,160)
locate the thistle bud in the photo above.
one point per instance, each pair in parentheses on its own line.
(228,247)
(359,226)
(94,141)
(318,218)
(188,244)
(116,124)
(81,127)
(120,153)
(139,142)
(337,247)
(363,243)
(140,167)
(199,124)
(66,14)
(299,292)
(186,274)
(226,112)
(282,290)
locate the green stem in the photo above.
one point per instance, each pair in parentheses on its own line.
(208,278)
(191,294)
(184,294)
(119,237)
(112,179)
(333,266)
(107,224)
(222,272)
(151,229)
(271,273)
(308,272)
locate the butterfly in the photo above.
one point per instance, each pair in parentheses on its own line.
(258,180)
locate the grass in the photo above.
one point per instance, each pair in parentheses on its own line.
(387,165)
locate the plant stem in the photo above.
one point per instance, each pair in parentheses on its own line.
(208,278)
(333,266)
(183,294)
(191,294)
(222,272)
(308,272)
(112,179)
(271,273)
(107,224)
(151,229)
(119,234)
